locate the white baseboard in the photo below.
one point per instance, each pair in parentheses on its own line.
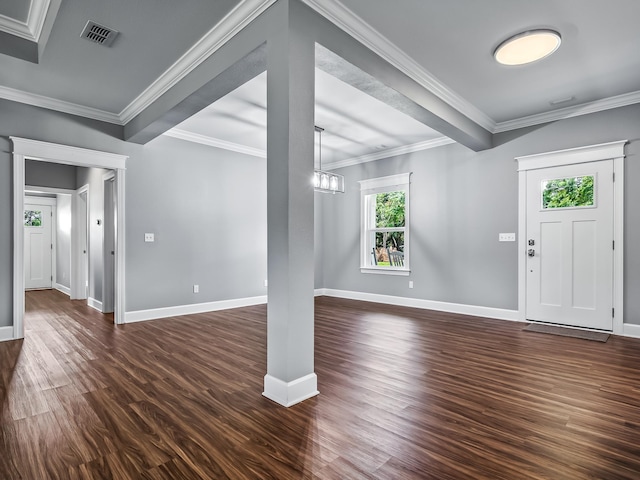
(155,313)
(95,304)
(489,312)
(6,333)
(62,288)
(288,394)
(631,330)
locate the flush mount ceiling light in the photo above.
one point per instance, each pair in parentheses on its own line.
(325,182)
(527,47)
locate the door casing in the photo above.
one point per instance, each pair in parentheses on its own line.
(54,153)
(605,151)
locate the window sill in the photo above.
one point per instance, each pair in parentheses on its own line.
(386,271)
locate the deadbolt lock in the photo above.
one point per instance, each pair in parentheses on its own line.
(531,242)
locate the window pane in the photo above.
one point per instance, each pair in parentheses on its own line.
(386,244)
(390,210)
(568,192)
(32,218)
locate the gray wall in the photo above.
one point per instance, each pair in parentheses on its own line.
(207,210)
(44,174)
(63,241)
(460,201)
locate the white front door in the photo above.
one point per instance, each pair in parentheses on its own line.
(38,246)
(570,245)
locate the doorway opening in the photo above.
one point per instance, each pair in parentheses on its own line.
(24,149)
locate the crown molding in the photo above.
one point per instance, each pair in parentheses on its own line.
(245,13)
(58,105)
(37,16)
(242,15)
(346,20)
(14,27)
(32,28)
(214,142)
(569,112)
(388,153)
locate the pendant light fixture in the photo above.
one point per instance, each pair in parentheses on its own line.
(325,182)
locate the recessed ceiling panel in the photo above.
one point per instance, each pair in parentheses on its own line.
(355,124)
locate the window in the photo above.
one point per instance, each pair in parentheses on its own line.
(385,225)
(568,192)
(32,218)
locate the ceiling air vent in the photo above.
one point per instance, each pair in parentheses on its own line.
(99,33)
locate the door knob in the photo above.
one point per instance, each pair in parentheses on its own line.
(531,252)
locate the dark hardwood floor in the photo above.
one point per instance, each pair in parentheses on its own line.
(404,394)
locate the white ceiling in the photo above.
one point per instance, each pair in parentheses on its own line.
(444,45)
(355,124)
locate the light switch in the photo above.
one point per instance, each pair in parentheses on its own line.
(149,237)
(506,237)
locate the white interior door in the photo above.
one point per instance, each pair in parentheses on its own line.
(109,246)
(570,245)
(38,246)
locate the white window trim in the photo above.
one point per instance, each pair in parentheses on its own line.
(400,182)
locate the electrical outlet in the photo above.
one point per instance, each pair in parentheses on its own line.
(506,237)
(149,237)
(410,283)
(196,289)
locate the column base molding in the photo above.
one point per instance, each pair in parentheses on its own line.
(288,394)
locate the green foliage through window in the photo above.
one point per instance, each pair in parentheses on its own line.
(568,192)
(390,210)
(32,218)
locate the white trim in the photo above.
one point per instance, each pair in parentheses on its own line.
(17,28)
(257,152)
(65,154)
(401,179)
(569,112)
(288,394)
(79,258)
(346,20)
(164,312)
(95,304)
(6,333)
(37,16)
(593,153)
(54,153)
(54,190)
(62,288)
(18,245)
(215,142)
(570,156)
(631,330)
(391,152)
(618,252)
(385,271)
(462,309)
(237,19)
(35,200)
(58,105)
(32,28)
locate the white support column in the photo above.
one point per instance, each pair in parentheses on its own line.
(290,374)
